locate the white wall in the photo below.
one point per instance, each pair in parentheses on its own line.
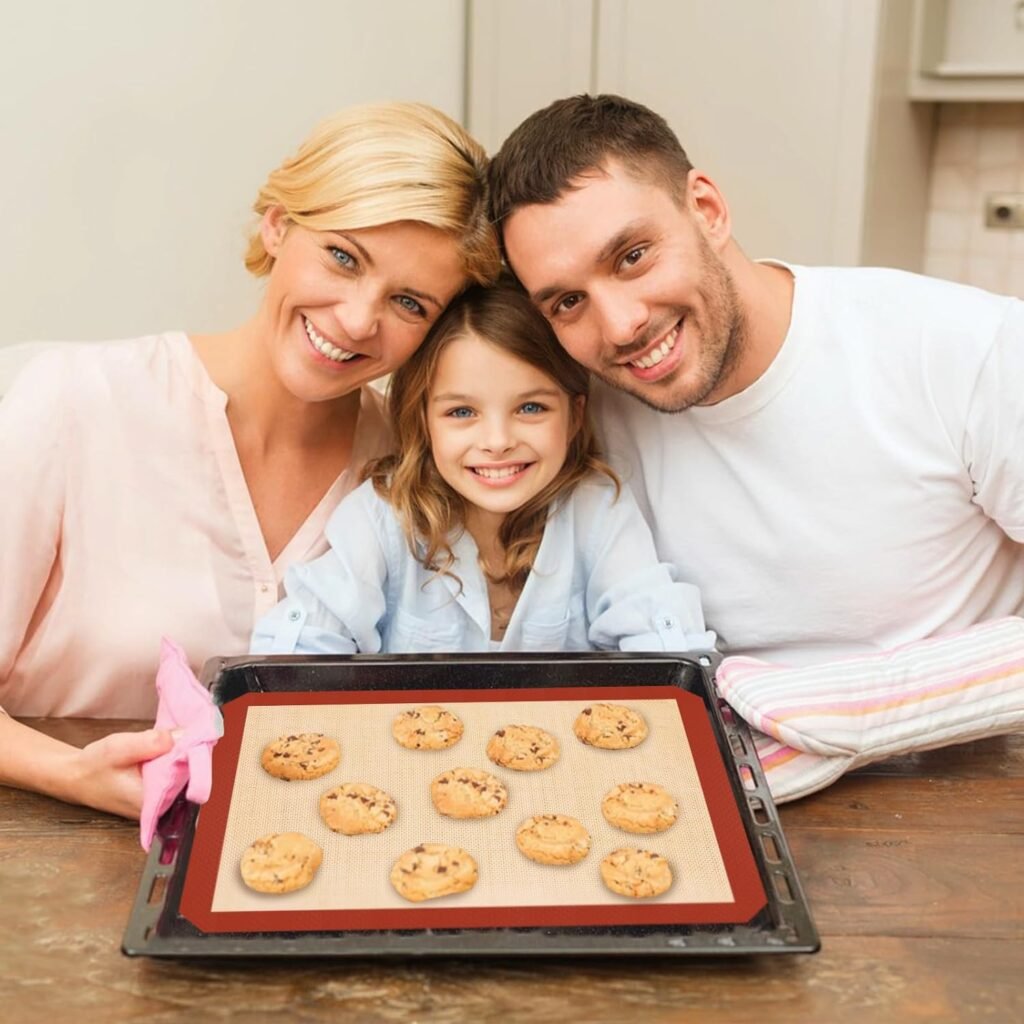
(523,55)
(135,135)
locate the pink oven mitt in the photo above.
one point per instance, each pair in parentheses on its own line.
(187,709)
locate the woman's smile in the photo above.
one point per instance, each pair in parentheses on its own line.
(325,347)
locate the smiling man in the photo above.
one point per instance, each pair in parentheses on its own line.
(835,456)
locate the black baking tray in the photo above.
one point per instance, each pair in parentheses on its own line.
(784,925)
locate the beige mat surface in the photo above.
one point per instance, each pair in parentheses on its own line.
(355,869)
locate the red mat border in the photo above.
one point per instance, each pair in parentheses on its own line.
(204,859)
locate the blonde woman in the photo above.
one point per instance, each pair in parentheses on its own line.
(496,526)
(163,485)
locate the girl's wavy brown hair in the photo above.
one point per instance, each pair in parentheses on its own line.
(430,511)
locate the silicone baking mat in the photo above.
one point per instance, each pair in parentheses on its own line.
(714,875)
(735,889)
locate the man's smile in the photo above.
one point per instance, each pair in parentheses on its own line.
(659,350)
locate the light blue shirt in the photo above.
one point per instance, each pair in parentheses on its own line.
(596,583)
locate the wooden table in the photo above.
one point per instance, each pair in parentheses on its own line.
(914,870)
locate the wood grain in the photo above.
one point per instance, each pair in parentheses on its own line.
(912,870)
(902,803)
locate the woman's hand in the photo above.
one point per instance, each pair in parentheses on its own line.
(104,775)
(107,775)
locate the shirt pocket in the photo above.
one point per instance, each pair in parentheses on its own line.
(546,636)
(411,634)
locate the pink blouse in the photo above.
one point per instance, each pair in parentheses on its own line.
(124,516)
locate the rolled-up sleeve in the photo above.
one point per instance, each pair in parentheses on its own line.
(336,603)
(634,601)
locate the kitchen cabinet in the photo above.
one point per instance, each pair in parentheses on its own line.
(968,50)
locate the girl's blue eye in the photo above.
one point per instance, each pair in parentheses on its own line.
(410,305)
(531,408)
(461,413)
(344,259)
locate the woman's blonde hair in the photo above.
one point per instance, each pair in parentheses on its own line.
(380,163)
(429,510)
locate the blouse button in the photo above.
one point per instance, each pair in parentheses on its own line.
(294,615)
(264,587)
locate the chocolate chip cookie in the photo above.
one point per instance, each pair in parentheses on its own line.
(523,748)
(431,870)
(468,793)
(610,726)
(553,839)
(280,862)
(640,807)
(357,808)
(427,728)
(636,873)
(301,756)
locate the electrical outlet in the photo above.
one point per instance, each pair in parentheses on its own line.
(1004,210)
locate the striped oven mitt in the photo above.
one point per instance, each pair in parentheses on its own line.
(814,723)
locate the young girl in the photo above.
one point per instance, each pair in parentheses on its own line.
(497,527)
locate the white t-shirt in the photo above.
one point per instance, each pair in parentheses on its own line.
(866,491)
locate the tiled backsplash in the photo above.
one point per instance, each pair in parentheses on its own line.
(979,149)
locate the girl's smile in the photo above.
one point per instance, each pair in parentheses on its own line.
(501,476)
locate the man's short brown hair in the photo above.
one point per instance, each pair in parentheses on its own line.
(551,148)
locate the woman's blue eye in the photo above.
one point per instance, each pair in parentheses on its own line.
(346,260)
(531,407)
(410,305)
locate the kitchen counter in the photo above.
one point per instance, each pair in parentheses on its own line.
(914,871)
